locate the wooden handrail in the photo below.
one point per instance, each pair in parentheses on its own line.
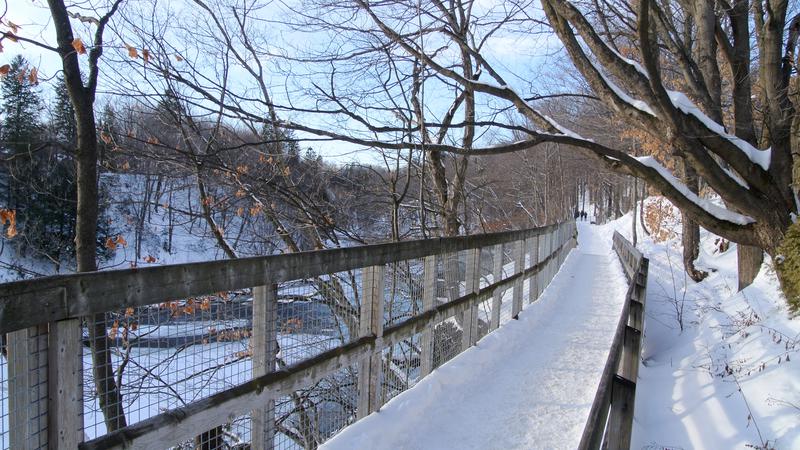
(28,303)
(611,416)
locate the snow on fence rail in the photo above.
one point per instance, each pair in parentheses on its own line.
(611,416)
(272,352)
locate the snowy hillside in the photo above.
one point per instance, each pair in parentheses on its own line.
(170,230)
(720,368)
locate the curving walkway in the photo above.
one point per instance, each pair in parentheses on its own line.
(529,385)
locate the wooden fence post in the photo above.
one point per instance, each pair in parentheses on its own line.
(623,395)
(428,300)
(472,280)
(497,275)
(620,416)
(369,379)
(265,348)
(519,263)
(27,388)
(533,280)
(547,253)
(65,384)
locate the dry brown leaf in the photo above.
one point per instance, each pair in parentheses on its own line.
(77,44)
(9,216)
(14,27)
(105,137)
(33,76)
(146,55)
(11,231)
(4,69)
(132,52)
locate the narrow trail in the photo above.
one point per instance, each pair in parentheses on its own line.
(528,385)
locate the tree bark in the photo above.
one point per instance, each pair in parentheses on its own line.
(691,230)
(635,200)
(82,98)
(749,259)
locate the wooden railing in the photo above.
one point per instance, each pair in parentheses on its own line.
(48,327)
(611,416)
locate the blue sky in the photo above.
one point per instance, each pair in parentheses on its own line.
(524,57)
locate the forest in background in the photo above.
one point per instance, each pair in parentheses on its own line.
(163,168)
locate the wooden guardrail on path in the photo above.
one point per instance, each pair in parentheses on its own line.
(611,416)
(268,352)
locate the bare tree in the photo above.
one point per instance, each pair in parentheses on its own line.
(747,161)
(81,87)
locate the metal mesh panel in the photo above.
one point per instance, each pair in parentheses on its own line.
(313,415)
(316,315)
(24,395)
(5,407)
(446,341)
(486,277)
(400,367)
(507,294)
(403,291)
(230,435)
(451,270)
(164,356)
(450,285)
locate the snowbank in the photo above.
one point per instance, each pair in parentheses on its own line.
(720,367)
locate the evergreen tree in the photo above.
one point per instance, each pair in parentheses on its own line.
(39,175)
(63,120)
(21,108)
(21,130)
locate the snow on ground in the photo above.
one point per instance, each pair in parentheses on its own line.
(723,381)
(529,384)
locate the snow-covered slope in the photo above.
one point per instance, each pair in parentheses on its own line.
(720,368)
(170,230)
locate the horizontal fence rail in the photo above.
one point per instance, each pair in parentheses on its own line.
(275,352)
(611,416)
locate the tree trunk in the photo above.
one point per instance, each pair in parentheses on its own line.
(108,392)
(82,99)
(691,230)
(635,193)
(749,259)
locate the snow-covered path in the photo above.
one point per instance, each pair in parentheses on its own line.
(528,385)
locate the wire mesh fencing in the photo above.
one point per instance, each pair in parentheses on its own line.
(24,397)
(141,362)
